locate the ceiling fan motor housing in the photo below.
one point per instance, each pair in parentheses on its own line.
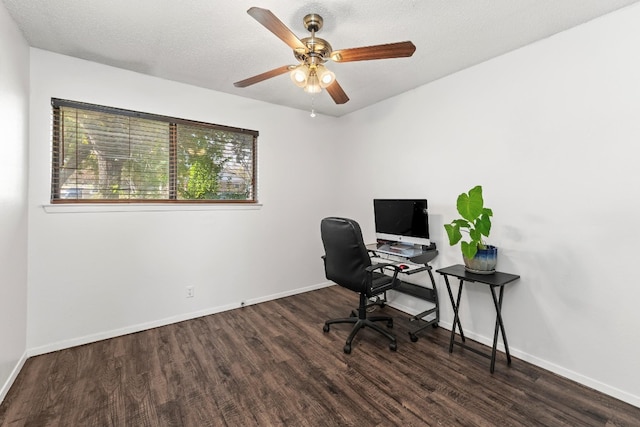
(317,52)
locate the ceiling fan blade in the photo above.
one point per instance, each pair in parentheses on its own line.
(273,24)
(264,76)
(337,93)
(381,51)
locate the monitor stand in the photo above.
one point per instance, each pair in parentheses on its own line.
(401,249)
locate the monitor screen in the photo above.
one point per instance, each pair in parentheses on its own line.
(402,220)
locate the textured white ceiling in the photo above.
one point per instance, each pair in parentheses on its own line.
(213,43)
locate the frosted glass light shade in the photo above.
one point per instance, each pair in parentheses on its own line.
(313,83)
(325,76)
(300,75)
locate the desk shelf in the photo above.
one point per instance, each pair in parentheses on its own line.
(417,291)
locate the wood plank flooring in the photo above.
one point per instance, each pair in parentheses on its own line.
(270,364)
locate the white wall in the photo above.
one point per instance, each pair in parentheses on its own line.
(551,131)
(14,111)
(96,275)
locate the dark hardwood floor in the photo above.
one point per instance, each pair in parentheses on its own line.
(270,364)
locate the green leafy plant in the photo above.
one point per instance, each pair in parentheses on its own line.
(475,221)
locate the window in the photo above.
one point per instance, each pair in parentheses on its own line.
(104,154)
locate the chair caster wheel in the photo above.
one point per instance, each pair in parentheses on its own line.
(393,346)
(325,328)
(390,324)
(347,349)
(413,337)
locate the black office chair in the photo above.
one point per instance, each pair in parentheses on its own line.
(347,263)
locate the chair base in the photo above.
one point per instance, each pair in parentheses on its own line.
(363,321)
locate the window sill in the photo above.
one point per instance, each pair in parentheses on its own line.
(143,207)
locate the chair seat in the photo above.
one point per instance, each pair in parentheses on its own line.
(381,283)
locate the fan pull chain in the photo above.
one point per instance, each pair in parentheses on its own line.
(313,111)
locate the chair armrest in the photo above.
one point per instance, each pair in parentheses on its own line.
(382,287)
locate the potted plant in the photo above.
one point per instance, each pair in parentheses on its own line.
(475,221)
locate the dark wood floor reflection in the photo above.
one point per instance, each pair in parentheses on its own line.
(270,364)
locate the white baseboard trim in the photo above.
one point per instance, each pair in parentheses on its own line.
(12,377)
(544,364)
(579,378)
(87,339)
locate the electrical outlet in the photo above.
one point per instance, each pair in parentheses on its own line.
(190,291)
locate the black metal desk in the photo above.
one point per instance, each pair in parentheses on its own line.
(495,280)
(419,263)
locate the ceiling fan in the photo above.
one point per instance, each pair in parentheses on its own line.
(313,52)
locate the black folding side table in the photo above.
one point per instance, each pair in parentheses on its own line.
(495,280)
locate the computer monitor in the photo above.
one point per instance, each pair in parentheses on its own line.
(402,220)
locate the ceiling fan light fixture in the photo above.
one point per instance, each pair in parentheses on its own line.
(313,83)
(300,75)
(326,76)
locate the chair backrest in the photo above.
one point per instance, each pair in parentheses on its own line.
(346,256)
